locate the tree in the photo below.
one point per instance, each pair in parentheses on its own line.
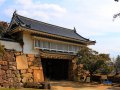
(104,57)
(91,60)
(1,50)
(118,14)
(105,69)
(116,0)
(3,28)
(118,61)
(117,64)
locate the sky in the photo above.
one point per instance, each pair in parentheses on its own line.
(93,19)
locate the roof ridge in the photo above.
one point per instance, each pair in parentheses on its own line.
(44,22)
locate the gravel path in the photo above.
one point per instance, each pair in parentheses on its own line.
(68,85)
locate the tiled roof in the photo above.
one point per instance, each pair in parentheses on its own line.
(47,28)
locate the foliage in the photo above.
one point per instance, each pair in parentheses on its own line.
(117,64)
(92,60)
(19,89)
(105,69)
(7,89)
(3,27)
(1,50)
(118,14)
(116,0)
(104,57)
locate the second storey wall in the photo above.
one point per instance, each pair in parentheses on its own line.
(28,47)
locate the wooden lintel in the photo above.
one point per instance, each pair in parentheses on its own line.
(55,56)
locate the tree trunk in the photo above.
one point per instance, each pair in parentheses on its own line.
(91,76)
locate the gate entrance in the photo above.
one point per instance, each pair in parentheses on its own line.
(55,69)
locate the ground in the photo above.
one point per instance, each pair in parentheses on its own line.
(69,85)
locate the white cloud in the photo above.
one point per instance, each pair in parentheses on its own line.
(24,2)
(96,17)
(109,45)
(9,12)
(91,18)
(2,1)
(37,10)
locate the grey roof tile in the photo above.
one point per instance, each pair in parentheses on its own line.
(48,28)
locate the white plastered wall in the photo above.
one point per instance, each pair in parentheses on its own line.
(11,45)
(28,47)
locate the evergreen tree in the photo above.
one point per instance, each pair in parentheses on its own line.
(93,61)
(117,64)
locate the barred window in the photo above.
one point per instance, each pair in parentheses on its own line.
(46,45)
(74,48)
(77,48)
(65,48)
(70,48)
(56,46)
(53,46)
(36,43)
(59,47)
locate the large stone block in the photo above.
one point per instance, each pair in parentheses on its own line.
(38,76)
(22,62)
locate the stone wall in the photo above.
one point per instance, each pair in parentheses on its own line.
(10,76)
(73,69)
(8,70)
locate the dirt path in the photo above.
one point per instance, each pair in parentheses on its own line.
(68,85)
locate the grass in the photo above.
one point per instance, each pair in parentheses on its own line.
(7,89)
(20,89)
